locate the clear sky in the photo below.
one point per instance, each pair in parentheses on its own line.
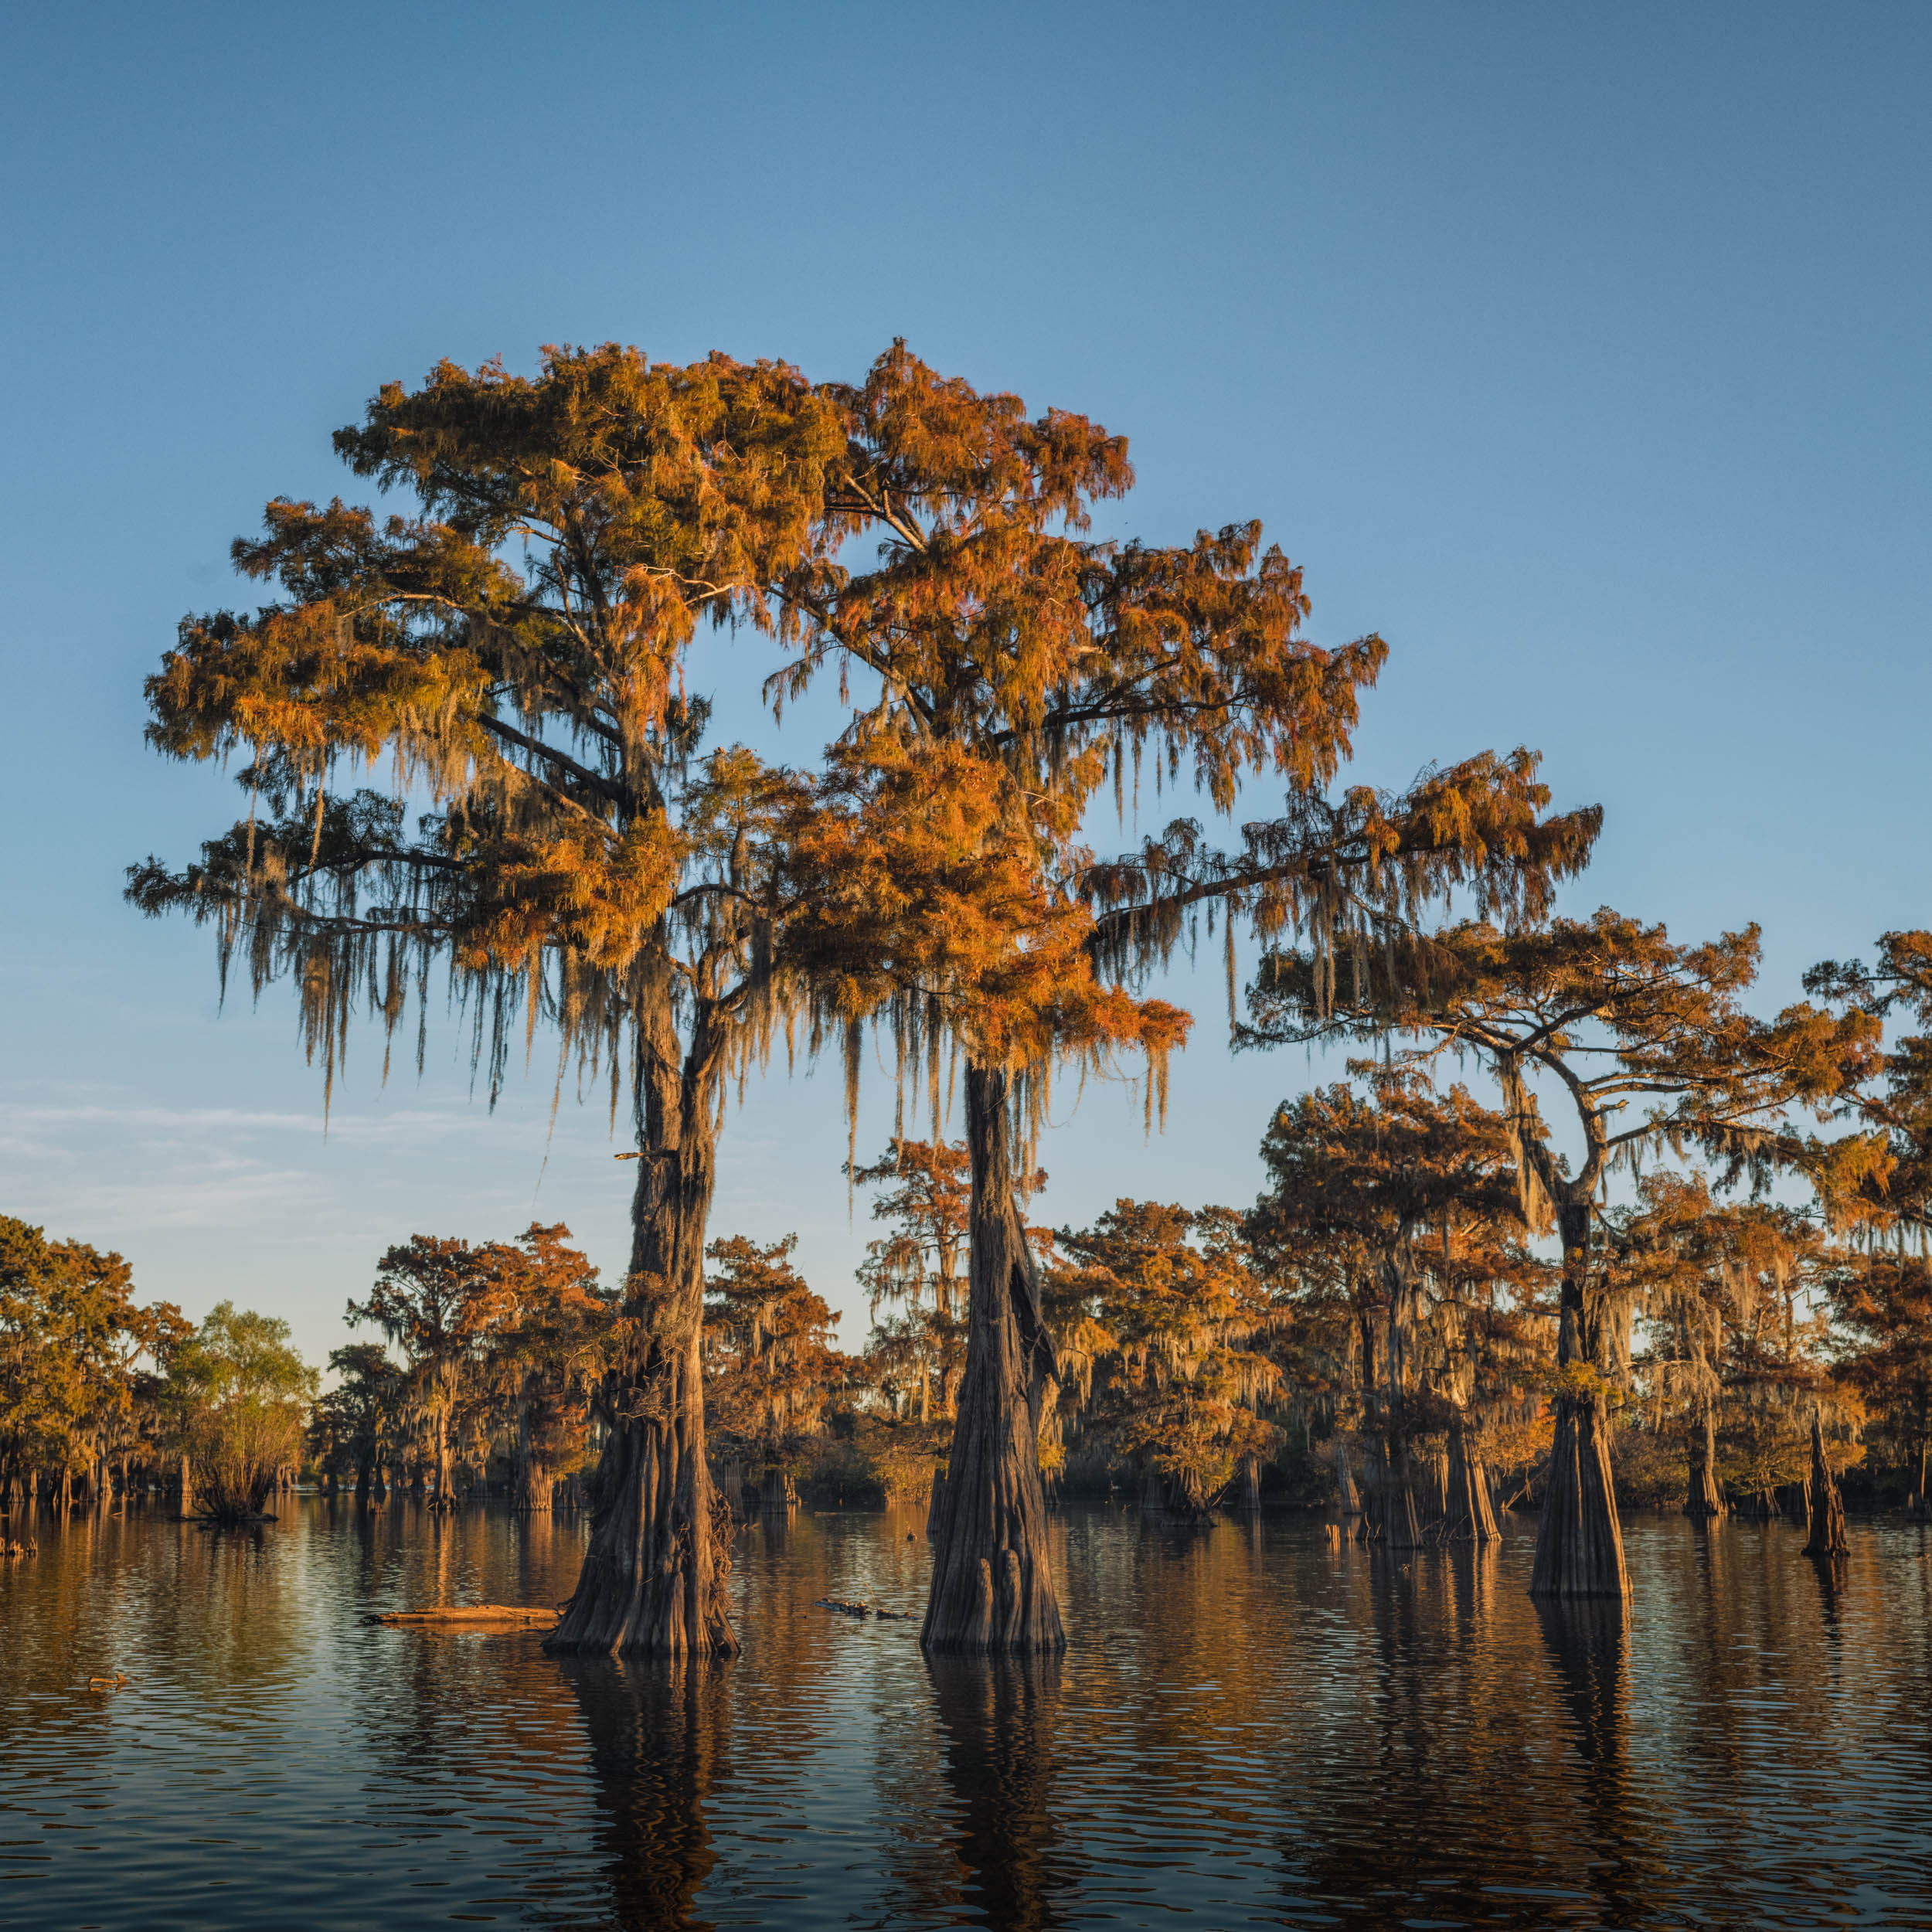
(1582,352)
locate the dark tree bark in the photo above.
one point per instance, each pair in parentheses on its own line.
(1828,1537)
(1404,1520)
(1401,1525)
(532,1485)
(1432,1492)
(1347,1502)
(992,1586)
(445,1497)
(1704,1498)
(1580,1543)
(1467,1516)
(652,1580)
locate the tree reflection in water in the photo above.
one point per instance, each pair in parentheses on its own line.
(997,1716)
(658,1732)
(1588,1640)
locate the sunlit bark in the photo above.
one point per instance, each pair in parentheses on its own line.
(992,1587)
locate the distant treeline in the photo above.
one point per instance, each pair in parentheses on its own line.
(1377,1334)
(100,1395)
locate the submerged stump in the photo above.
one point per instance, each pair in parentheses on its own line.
(1828,1536)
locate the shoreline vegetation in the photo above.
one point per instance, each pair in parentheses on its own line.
(1583,1230)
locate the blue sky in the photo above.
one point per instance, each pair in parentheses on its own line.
(1582,353)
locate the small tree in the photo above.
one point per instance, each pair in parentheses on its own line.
(1414,1185)
(243,1393)
(1615,1014)
(1721,1288)
(1883,1177)
(1883,1305)
(71,1335)
(354,1426)
(1169,1317)
(542,1330)
(769,1356)
(927,1199)
(1879,1184)
(424,1301)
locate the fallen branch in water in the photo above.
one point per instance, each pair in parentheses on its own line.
(864,1609)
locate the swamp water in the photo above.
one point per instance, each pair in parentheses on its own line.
(1249,1727)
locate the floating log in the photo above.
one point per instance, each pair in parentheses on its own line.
(470,1614)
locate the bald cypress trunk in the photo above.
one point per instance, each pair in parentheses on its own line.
(992,1587)
(1431,1476)
(445,1498)
(1402,1521)
(1703,1498)
(532,1487)
(1828,1537)
(1405,1517)
(1187,1495)
(1346,1500)
(652,1580)
(1467,1516)
(1580,1543)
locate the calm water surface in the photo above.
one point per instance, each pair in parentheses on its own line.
(1250,1728)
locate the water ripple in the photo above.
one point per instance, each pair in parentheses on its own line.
(1251,1728)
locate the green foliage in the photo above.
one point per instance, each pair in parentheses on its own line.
(240,1396)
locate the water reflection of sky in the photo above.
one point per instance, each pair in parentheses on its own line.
(1249,1727)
